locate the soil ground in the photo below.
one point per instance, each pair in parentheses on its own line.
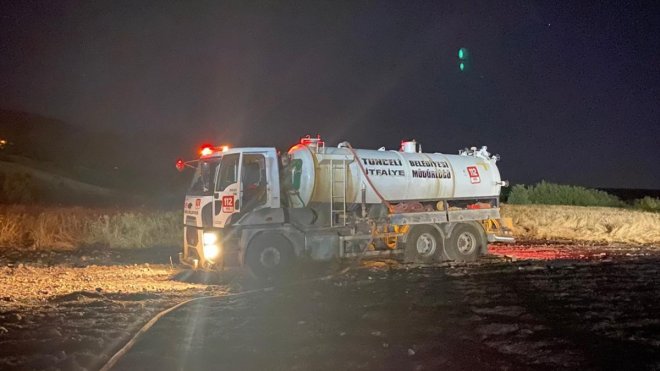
(528,306)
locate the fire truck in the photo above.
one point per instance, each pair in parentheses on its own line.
(264,210)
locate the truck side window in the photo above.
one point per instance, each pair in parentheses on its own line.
(228,174)
(254,180)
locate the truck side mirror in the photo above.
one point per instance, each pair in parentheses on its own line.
(180,165)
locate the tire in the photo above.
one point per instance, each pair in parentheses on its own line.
(466,243)
(269,256)
(422,245)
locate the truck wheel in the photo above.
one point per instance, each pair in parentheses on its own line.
(269,255)
(422,245)
(466,243)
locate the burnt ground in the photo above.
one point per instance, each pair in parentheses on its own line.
(72,310)
(597,310)
(529,306)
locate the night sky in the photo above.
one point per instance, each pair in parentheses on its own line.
(568,93)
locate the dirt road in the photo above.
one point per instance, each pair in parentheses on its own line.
(596,310)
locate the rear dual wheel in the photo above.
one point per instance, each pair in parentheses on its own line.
(423,245)
(466,243)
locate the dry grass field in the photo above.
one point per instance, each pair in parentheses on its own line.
(581,223)
(71,227)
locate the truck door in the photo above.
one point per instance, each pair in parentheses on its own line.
(226,196)
(241,185)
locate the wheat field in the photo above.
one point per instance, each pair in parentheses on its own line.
(72,227)
(582,223)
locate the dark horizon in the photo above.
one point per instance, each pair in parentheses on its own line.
(565,94)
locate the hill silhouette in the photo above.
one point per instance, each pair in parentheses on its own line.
(88,164)
(84,163)
(60,147)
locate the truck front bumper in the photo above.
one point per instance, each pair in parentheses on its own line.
(193,254)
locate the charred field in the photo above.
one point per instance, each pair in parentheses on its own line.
(531,305)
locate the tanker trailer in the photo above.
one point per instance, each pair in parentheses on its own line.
(325,203)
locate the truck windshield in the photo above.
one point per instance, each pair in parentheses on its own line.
(202,183)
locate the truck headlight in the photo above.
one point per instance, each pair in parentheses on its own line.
(209,238)
(211,252)
(211,249)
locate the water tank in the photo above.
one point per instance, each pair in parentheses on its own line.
(399,176)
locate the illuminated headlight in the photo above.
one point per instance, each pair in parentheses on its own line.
(211,252)
(210,238)
(211,248)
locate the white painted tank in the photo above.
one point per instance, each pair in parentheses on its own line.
(404,175)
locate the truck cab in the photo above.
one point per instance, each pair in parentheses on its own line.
(227,186)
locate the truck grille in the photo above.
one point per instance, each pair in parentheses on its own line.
(191,236)
(191,220)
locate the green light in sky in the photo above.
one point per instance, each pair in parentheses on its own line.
(462,66)
(462,53)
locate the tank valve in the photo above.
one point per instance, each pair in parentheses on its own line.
(409,146)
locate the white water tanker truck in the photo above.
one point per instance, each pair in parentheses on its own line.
(263,210)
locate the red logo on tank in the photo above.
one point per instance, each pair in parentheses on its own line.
(473,172)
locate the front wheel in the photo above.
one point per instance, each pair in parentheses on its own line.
(269,255)
(466,243)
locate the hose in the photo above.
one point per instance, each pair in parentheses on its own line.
(389,206)
(127,347)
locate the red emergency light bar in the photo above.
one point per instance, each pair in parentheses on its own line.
(207,149)
(204,150)
(308,140)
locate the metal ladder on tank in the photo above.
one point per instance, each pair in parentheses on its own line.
(337,192)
